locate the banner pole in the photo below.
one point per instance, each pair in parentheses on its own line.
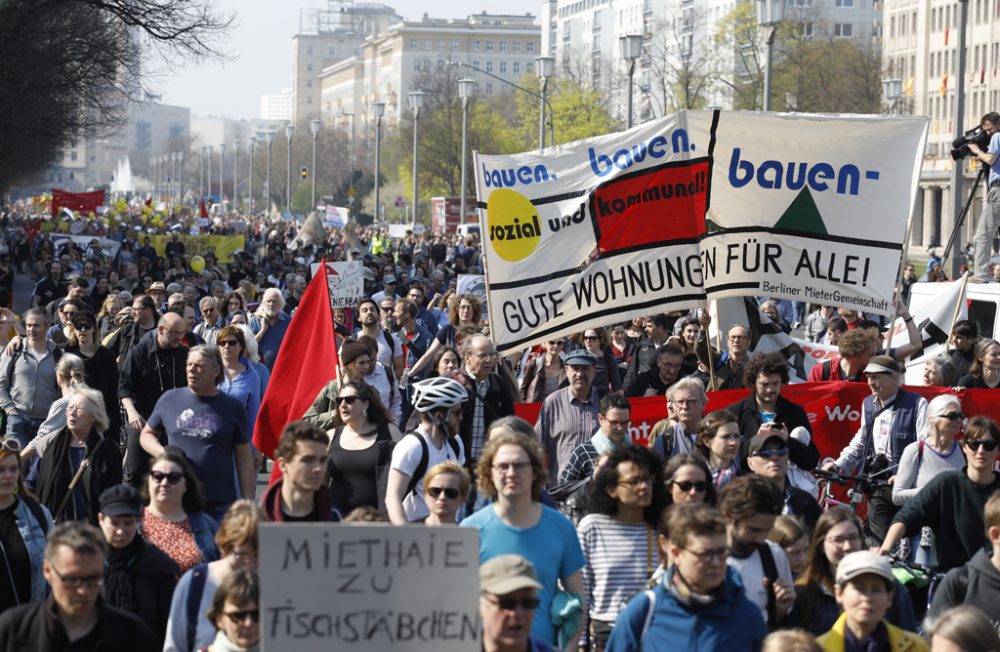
(958,308)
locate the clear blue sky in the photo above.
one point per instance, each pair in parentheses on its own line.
(261,49)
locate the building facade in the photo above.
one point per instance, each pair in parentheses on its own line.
(276,106)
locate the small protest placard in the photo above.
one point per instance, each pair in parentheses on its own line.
(346,282)
(330,586)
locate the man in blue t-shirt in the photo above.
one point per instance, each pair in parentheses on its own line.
(210,427)
(517,523)
(989,219)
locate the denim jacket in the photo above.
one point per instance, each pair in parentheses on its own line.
(34,540)
(204,528)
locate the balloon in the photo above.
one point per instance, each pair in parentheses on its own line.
(197,264)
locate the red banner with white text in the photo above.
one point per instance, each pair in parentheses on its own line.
(83,202)
(834,409)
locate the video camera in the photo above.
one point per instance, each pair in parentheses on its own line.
(960,146)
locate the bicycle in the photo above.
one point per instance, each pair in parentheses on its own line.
(920,581)
(859,488)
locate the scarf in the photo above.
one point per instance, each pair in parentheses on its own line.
(685,594)
(223,644)
(117,583)
(602,442)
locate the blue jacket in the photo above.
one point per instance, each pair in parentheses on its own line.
(731,624)
(204,528)
(33,535)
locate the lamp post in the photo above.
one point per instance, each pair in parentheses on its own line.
(201,174)
(466,89)
(268,137)
(208,182)
(289,132)
(769,14)
(236,168)
(253,146)
(314,127)
(892,89)
(416,102)
(953,257)
(545,66)
(378,110)
(350,184)
(222,168)
(631,45)
(175,160)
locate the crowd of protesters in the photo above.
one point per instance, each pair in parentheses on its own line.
(128,480)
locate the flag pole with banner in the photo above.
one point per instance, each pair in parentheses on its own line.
(306,361)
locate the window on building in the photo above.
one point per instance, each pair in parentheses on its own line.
(489,66)
(503,67)
(529,67)
(414,44)
(807,30)
(489,88)
(309,51)
(844,4)
(427,44)
(331,51)
(517,46)
(843,30)
(503,46)
(440,65)
(416,64)
(475,46)
(489,46)
(475,63)
(454,46)
(72,155)
(530,46)
(517,68)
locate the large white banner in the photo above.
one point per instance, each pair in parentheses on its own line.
(595,231)
(811,208)
(371,588)
(805,207)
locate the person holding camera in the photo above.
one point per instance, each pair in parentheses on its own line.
(890,420)
(989,219)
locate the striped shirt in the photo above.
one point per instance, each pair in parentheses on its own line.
(564,423)
(620,557)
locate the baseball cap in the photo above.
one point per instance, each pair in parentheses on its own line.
(120,500)
(882,364)
(760,440)
(389,278)
(580,357)
(83,317)
(507,573)
(351,351)
(861,563)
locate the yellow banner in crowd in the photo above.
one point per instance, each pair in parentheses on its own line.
(222,246)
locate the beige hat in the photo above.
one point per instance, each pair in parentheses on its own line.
(863,562)
(507,573)
(157,286)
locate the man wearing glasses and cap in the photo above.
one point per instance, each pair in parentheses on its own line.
(569,415)
(891,418)
(507,604)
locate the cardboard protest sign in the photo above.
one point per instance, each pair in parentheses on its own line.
(346,282)
(337,216)
(811,207)
(599,230)
(474,284)
(366,588)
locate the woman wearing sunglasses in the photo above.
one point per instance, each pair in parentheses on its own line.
(174,519)
(688,480)
(446,486)
(99,364)
(240,379)
(23,525)
(235,613)
(361,444)
(936,451)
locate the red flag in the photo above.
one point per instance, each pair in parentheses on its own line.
(204,211)
(149,202)
(84,202)
(307,360)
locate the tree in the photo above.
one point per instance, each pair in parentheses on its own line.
(69,67)
(739,43)
(579,112)
(682,70)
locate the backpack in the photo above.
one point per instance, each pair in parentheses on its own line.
(771,573)
(826,370)
(56,356)
(199,574)
(425,455)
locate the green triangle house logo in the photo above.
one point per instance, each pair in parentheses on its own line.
(802,215)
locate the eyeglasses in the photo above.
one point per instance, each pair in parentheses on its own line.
(512,604)
(237,617)
(986,444)
(619,424)
(75,582)
(686,402)
(559,343)
(229,343)
(591,337)
(952,416)
(853,539)
(347,399)
(449,492)
(85,326)
(172,477)
(635,483)
(516,467)
(706,556)
(772,453)
(686,486)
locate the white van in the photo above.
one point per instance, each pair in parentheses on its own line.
(981,299)
(468,229)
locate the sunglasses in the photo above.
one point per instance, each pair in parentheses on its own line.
(987,445)
(238,617)
(772,453)
(173,477)
(952,416)
(347,399)
(450,492)
(85,326)
(11,443)
(229,343)
(511,604)
(686,487)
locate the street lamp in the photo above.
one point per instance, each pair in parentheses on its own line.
(892,89)
(222,168)
(236,168)
(175,160)
(466,89)
(631,46)
(545,68)
(208,182)
(253,146)
(378,110)
(314,127)
(416,102)
(289,131)
(769,14)
(268,137)
(201,174)
(350,184)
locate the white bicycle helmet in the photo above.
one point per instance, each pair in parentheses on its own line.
(435,393)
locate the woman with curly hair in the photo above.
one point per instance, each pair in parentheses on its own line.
(465,310)
(618,536)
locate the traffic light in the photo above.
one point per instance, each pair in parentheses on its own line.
(304,172)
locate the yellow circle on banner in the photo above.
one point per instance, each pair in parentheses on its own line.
(197,264)
(513,224)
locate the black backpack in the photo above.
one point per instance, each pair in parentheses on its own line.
(425,455)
